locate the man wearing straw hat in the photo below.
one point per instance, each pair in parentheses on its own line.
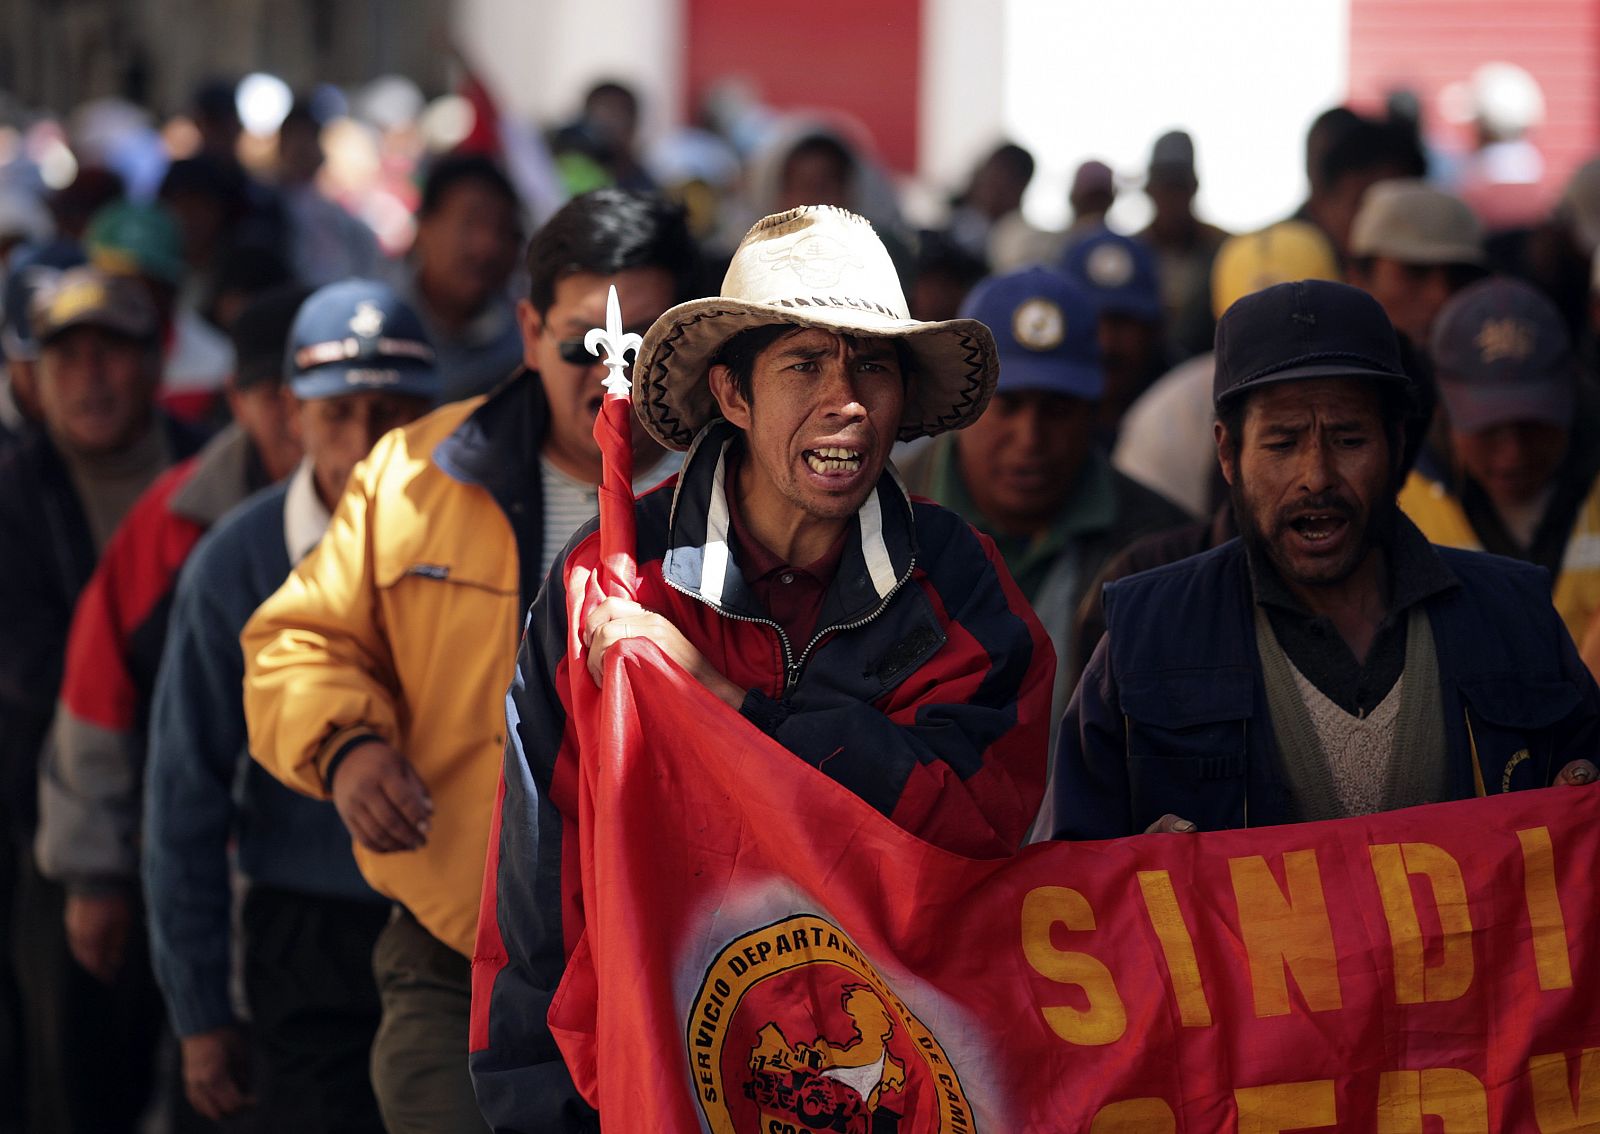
(876,637)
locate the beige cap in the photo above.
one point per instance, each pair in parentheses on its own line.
(1415,223)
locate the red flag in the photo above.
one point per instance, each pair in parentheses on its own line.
(762,951)
(765,952)
(613,429)
(613,432)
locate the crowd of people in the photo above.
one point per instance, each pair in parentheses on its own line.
(1016,534)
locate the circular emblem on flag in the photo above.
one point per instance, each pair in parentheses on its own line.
(1038,324)
(1110,265)
(793,1030)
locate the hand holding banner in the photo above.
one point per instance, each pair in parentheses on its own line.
(767,952)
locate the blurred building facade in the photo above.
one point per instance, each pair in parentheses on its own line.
(932,83)
(60,53)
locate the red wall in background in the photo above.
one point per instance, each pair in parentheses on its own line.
(856,57)
(1428,44)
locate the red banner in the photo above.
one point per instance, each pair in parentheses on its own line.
(764,952)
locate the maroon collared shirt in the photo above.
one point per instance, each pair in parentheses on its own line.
(791,595)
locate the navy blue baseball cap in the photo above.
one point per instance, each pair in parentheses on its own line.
(1501,354)
(1045,332)
(358,335)
(1120,273)
(32,273)
(1305,329)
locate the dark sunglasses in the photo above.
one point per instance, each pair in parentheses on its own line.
(574,353)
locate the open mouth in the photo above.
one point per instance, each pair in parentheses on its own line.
(1319,527)
(833,460)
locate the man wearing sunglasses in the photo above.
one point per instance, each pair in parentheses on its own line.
(376,676)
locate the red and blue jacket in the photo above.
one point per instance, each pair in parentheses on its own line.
(925,690)
(91,779)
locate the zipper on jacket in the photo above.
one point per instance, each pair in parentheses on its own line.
(793,666)
(1247,773)
(794,677)
(790,667)
(1472,745)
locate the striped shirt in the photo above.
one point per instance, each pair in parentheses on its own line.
(570,503)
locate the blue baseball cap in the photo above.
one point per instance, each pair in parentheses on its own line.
(1119,272)
(358,335)
(1045,332)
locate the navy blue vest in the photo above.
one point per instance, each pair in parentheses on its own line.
(1517,703)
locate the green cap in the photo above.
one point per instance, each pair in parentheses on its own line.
(129,239)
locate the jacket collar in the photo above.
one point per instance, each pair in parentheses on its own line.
(496,448)
(497,445)
(880,547)
(305,516)
(225,472)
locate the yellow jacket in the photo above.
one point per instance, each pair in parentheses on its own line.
(404,622)
(1434,509)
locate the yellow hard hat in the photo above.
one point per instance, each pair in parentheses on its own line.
(1287,251)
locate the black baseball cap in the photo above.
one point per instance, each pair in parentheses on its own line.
(1300,330)
(260,334)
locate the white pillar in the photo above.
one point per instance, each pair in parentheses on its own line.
(962,99)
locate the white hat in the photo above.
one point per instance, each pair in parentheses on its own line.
(815,266)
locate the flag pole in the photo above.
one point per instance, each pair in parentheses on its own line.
(613,431)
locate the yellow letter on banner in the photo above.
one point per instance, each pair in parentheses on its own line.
(1414,981)
(1553,1107)
(1544,909)
(1286,932)
(1105,1019)
(1135,1116)
(1286,1106)
(1453,1096)
(1177,946)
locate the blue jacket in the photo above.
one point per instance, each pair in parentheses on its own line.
(1171,714)
(201,787)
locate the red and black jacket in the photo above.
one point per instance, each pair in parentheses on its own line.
(91,784)
(926,691)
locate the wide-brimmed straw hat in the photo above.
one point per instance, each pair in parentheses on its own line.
(815,266)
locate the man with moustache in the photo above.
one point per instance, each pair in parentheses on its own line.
(1330,662)
(877,638)
(64,490)
(1028,473)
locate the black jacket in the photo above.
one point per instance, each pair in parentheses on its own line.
(47,554)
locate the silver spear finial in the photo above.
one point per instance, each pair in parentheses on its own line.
(616,343)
